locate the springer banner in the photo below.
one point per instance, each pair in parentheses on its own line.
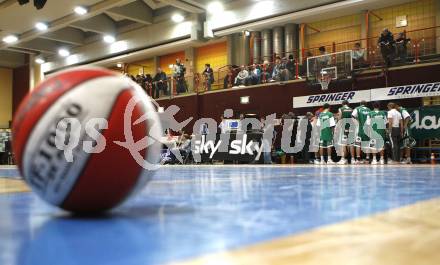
(409,91)
(377,94)
(332,98)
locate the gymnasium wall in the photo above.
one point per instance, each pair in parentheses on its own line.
(136,67)
(340,29)
(5,97)
(166,60)
(215,54)
(420,14)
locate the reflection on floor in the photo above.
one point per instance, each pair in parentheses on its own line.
(239,215)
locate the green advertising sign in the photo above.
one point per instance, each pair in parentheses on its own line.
(425,123)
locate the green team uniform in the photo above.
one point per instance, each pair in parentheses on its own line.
(361,115)
(346,113)
(326,122)
(378,120)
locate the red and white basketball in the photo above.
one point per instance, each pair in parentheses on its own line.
(94,181)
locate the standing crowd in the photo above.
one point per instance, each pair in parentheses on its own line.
(160,84)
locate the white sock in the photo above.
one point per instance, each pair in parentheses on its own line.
(322,158)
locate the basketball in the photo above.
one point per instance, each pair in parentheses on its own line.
(102,172)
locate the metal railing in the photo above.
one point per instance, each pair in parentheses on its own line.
(421,47)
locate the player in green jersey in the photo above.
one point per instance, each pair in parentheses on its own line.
(326,123)
(347,136)
(362,140)
(407,140)
(377,121)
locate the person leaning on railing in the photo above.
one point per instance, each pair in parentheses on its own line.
(160,82)
(228,81)
(387,47)
(290,66)
(179,75)
(402,47)
(208,74)
(148,84)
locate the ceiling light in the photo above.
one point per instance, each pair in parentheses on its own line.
(118,46)
(72,59)
(119,65)
(177,18)
(41,26)
(10,39)
(40,60)
(215,7)
(80,10)
(247,33)
(63,52)
(109,39)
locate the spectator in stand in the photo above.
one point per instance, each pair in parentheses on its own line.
(324,59)
(208,73)
(358,56)
(402,47)
(278,73)
(387,47)
(228,81)
(265,72)
(290,67)
(255,74)
(160,82)
(179,75)
(149,84)
(242,78)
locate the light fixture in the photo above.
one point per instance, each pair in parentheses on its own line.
(40,60)
(177,18)
(80,10)
(72,59)
(10,39)
(244,100)
(215,7)
(63,52)
(109,39)
(247,33)
(118,46)
(41,26)
(119,65)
